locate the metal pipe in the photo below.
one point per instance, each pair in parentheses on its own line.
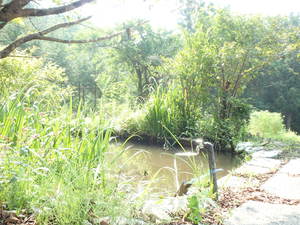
(212,167)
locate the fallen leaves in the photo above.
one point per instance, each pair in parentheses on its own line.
(11,218)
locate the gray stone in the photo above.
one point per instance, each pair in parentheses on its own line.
(156,213)
(266,154)
(279,144)
(248,147)
(85,222)
(236,183)
(259,213)
(255,149)
(126,221)
(264,162)
(285,183)
(118,220)
(292,167)
(240,147)
(161,208)
(259,166)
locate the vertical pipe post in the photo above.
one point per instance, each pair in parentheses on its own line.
(176,172)
(212,167)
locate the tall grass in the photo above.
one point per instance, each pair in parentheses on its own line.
(163,109)
(55,167)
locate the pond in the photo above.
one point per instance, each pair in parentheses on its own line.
(156,163)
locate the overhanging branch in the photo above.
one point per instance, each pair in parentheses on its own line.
(41,36)
(79,41)
(55,10)
(14,10)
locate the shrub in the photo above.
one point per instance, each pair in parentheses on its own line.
(40,83)
(227,132)
(266,124)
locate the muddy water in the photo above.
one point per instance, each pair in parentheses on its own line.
(157,164)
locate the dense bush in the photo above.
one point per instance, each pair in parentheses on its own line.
(41,83)
(226,133)
(267,124)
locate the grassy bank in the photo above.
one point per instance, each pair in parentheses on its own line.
(49,170)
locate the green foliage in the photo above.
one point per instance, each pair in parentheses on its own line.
(198,204)
(219,60)
(283,78)
(189,11)
(56,167)
(165,112)
(142,55)
(42,83)
(194,214)
(162,112)
(267,124)
(289,136)
(226,133)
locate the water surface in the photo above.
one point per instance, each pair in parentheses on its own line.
(154,162)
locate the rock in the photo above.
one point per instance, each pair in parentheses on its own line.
(241,147)
(285,183)
(85,222)
(127,221)
(259,166)
(119,221)
(248,147)
(260,213)
(266,154)
(156,213)
(236,183)
(292,167)
(279,144)
(161,209)
(264,162)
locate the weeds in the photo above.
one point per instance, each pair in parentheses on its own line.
(56,168)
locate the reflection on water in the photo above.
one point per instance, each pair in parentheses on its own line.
(155,162)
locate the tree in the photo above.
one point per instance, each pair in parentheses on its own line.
(143,55)
(16,9)
(220,59)
(277,87)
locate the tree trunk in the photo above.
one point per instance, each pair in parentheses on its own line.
(140,82)
(95,96)
(225,137)
(288,121)
(79,92)
(83,95)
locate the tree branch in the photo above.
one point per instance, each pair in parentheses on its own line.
(14,9)
(55,10)
(41,36)
(79,41)
(62,25)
